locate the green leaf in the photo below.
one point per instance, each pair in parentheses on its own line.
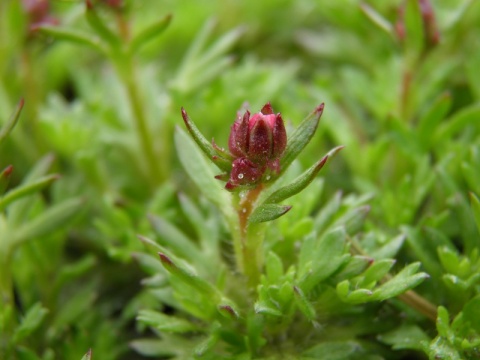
(300,137)
(88,355)
(73,36)
(165,322)
(303,304)
(99,26)
(377,18)
(11,122)
(32,320)
(263,308)
(335,350)
(149,33)
(48,221)
(18,211)
(355,266)
(327,255)
(428,122)
(414,33)
(200,171)
(390,249)
(4,178)
(406,336)
(403,281)
(273,267)
(267,212)
(27,189)
(302,181)
(187,277)
(204,145)
(174,239)
(376,272)
(467,116)
(471,314)
(475,201)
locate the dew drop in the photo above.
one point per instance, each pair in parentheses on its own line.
(240,176)
(244,210)
(268,177)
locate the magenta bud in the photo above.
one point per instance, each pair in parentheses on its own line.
(258,142)
(244,172)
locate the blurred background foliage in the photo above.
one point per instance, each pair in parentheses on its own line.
(405,103)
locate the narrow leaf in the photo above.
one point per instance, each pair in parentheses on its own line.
(99,26)
(26,190)
(303,304)
(5,177)
(200,171)
(48,221)
(268,212)
(174,239)
(30,322)
(188,278)
(72,36)
(300,182)
(301,137)
(11,122)
(403,281)
(150,33)
(377,18)
(204,145)
(475,208)
(165,322)
(88,355)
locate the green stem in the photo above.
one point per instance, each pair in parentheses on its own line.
(248,238)
(144,135)
(124,61)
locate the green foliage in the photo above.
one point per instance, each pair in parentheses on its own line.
(116,236)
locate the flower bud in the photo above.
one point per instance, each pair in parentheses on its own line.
(257,142)
(430,28)
(38,12)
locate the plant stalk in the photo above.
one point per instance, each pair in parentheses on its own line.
(248,238)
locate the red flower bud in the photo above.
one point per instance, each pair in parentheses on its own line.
(259,138)
(257,142)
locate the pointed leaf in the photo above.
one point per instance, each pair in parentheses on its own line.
(377,18)
(403,281)
(88,355)
(300,182)
(72,36)
(27,189)
(204,145)
(150,33)
(303,304)
(326,257)
(300,137)
(164,322)
(172,238)
(200,171)
(30,322)
(48,221)
(189,278)
(11,122)
(475,201)
(268,212)
(4,178)
(99,26)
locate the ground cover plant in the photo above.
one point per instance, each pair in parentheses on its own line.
(334,215)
